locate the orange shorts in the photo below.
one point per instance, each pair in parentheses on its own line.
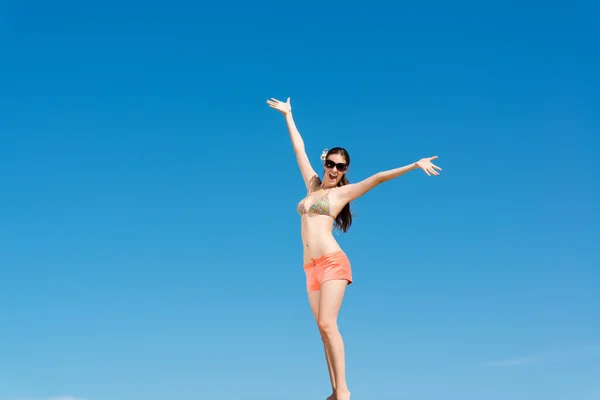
(334,265)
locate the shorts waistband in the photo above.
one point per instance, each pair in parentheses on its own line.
(314,261)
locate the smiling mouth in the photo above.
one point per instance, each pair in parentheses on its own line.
(333,177)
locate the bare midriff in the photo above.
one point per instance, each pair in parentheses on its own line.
(317,236)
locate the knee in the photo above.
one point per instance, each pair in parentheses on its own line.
(327,327)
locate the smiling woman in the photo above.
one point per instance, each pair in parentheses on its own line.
(326,266)
(336,162)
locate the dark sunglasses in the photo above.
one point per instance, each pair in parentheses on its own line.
(340,166)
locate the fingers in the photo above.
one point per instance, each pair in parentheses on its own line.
(274,104)
(274,100)
(429,169)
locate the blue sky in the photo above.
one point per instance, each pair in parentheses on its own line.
(150,246)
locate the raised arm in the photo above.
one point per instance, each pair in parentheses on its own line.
(308,173)
(353,191)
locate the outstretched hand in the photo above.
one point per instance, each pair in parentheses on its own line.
(284,108)
(426,165)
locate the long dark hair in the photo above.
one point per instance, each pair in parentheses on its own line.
(344,218)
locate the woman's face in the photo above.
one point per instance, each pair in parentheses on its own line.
(335,168)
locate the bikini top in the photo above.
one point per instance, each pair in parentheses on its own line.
(320,206)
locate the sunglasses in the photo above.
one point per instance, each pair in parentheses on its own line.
(340,166)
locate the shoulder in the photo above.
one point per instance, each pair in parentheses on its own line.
(352,191)
(339,195)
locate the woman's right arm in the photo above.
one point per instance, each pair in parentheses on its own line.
(308,173)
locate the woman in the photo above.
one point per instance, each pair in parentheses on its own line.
(327,268)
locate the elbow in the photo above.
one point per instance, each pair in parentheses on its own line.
(299,148)
(379,178)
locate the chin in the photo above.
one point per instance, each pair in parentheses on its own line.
(330,181)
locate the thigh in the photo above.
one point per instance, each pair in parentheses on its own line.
(313,300)
(330,299)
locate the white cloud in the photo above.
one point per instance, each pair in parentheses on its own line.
(547,357)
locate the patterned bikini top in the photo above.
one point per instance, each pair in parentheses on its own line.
(320,206)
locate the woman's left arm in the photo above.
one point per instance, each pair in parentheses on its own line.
(353,191)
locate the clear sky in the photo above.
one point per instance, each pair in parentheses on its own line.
(150,248)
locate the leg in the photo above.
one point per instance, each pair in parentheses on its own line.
(313,299)
(330,301)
